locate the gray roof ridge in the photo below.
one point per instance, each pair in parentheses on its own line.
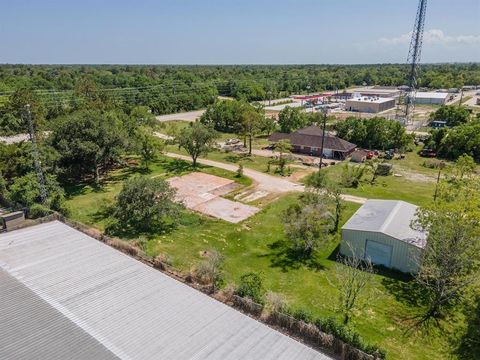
(390,216)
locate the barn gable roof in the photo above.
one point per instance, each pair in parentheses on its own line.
(391,217)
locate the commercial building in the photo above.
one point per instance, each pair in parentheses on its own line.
(309,141)
(65,295)
(377,91)
(433,98)
(369,104)
(381,231)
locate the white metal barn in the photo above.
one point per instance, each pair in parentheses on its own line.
(380,231)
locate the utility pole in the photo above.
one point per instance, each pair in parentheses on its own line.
(36,157)
(461,99)
(323,137)
(440,167)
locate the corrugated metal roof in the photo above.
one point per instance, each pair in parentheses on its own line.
(86,294)
(390,217)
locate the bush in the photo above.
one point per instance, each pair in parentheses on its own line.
(240,171)
(251,286)
(210,271)
(331,326)
(37,211)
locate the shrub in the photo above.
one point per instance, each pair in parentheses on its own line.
(240,171)
(123,246)
(37,211)
(251,286)
(209,271)
(330,326)
(275,302)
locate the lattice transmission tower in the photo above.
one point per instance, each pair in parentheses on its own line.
(413,59)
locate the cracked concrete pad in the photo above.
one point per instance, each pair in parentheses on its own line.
(231,211)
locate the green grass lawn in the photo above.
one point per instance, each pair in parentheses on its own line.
(89,203)
(259,245)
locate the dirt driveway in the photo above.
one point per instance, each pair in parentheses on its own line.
(185,116)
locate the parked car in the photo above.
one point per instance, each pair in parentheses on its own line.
(232,141)
(370,155)
(389,154)
(428,153)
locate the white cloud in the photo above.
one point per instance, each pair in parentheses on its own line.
(433,36)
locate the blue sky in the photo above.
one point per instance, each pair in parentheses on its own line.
(233,31)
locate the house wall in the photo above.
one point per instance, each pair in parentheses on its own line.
(314,151)
(432,101)
(404,256)
(369,107)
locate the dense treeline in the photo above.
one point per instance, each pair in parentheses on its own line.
(289,78)
(374,133)
(174,88)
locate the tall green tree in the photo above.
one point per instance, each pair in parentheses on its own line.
(148,146)
(250,121)
(453,115)
(308,222)
(89,142)
(146,204)
(197,139)
(291,119)
(450,262)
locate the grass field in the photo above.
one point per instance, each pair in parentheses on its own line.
(89,203)
(259,245)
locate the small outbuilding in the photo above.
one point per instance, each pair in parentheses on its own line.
(381,232)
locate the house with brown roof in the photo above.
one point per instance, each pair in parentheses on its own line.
(309,141)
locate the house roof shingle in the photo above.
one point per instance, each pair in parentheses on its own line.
(311,136)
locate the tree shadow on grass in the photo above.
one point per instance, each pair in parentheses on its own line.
(469,345)
(177,166)
(129,233)
(283,256)
(75,189)
(404,288)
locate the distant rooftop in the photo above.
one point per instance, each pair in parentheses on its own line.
(389,217)
(65,295)
(376,90)
(432,95)
(370,99)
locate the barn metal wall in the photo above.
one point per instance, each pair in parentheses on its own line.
(404,256)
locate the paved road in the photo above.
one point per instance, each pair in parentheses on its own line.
(264,182)
(14,138)
(185,116)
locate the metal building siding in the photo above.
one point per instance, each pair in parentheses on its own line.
(404,256)
(132,310)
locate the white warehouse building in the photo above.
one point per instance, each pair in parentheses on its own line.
(433,98)
(381,232)
(369,104)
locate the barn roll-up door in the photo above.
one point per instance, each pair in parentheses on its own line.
(378,253)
